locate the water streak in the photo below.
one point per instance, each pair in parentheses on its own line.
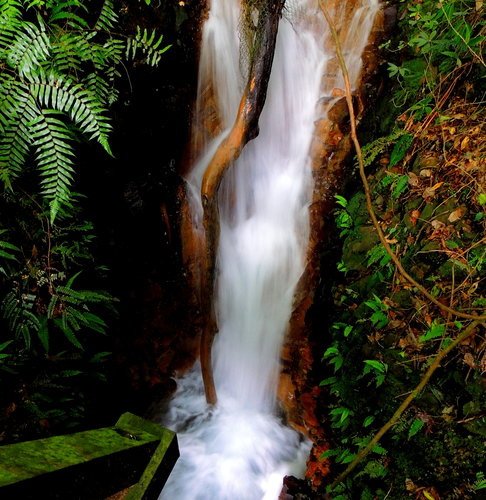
(240,450)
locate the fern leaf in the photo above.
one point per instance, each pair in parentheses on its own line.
(66,11)
(51,138)
(68,333)
(148,44)
(21,321)
(108,18)
(69,50)
(30,48)
(79,103)
(18,109)
(373,149)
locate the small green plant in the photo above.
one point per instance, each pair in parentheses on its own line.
(480,483)
(379,318)
(377,368)
(343,218)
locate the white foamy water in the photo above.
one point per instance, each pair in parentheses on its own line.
(240,450)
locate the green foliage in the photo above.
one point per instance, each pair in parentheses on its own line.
(480,483)
(59,67)
(435,331)
(400,149)
(440,38)
(415,427)
(53,330)
(57,86)
(371,150)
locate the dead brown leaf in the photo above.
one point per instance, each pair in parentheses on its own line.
(456,214)
(429,192)
(413,180)
(469,360)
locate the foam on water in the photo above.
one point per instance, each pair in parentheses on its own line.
(240,450)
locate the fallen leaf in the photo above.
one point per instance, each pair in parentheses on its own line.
(437,224)
(414,215)
(456,214)
(410,485)
(413,180)
(426,172)
(430,191)
(464,143)
(469,360)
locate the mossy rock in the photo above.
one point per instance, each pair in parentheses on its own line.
(356,247)
(403,299)
(357,209)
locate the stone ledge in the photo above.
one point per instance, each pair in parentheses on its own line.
(92,464)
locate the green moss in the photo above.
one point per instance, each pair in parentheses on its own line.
(25,460)
(21,461)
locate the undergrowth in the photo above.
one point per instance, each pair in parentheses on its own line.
(426,175)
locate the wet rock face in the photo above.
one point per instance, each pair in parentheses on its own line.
(295,489)
(299,393)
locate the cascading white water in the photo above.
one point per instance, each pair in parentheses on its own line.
(240,450)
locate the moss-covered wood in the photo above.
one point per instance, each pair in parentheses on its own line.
(91,464)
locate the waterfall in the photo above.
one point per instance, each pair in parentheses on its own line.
(240,450)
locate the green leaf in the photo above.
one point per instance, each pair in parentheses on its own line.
(341,201)
(376,365)
(43,333)
(400,187)
(368,421)
(415,427)
(327,381)
(379,319)
(435,331)
(5,344)
(400,149)
(379,450)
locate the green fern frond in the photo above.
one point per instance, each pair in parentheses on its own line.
(18,109)
(51,138)
(7,249)
(66,12)
(373,149)
(17,310)
(10,13)
(64,326)
(10,24)
(69,51)
(147,43)
(83,296)
(30,48)
(79,103)
(101,86)
(108,18)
